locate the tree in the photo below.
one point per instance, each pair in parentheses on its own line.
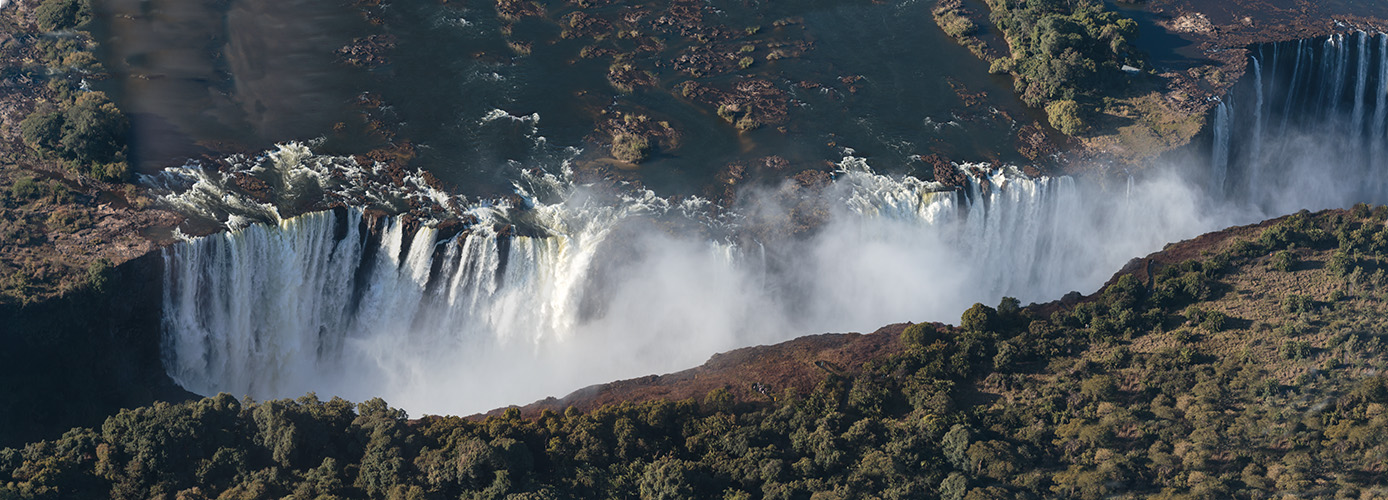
(53,15)
(955,445)
(954,486)
(669,478)
(99,274)
(1064,115)
(920,334)
(94,130)
(979,318)
(42,130)
(1283,261)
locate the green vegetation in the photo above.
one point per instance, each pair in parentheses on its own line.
(1065,57)
(81,128)
(88,132)
(630,148)
(952,17)
(56,15)
(1094,400)
(1065,117)
(1065,50)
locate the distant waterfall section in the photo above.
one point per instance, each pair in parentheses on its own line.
(1310,116)
(579,286)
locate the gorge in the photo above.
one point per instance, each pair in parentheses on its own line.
(657,221)
(577,285)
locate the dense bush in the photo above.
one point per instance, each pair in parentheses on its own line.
(1065,116)
(1283,261)
(1092,401)
(1064,53)
(630,148)
(54,15)
(42,130)
(90,133)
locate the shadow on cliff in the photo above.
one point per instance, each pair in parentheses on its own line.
(74,360)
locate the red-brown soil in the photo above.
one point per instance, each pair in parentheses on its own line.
(751,374)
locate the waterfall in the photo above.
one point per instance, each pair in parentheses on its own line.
(1219,156)
(1360,84)
(1256,150)
(581,287)
(1295,82)
(466,305)
(1330,97)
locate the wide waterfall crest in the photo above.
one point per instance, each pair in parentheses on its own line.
(296,181)
(343,303)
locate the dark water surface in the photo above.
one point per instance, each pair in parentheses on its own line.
(233,75)
(248,73)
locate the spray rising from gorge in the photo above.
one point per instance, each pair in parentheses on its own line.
(580,285)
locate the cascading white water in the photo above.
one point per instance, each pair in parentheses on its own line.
(1331,100)
(1219,155)
(582,286)
(1361,82)
(591,289)
(1256,149)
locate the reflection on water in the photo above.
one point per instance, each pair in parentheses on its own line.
(204,76)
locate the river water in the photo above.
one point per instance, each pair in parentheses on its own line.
(241,75)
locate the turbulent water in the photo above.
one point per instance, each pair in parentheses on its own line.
(580,285)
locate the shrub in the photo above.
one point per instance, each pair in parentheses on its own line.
(1214,321)
(979,318)
(42,130)
(1295,349)
(99,274)
(726,111)
(117,171)
(1297,304)
(1065,117)
(957,26)
(94,130)
(630,148)
(66,220)
(24,188)
(1283,261)
(1340,263)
